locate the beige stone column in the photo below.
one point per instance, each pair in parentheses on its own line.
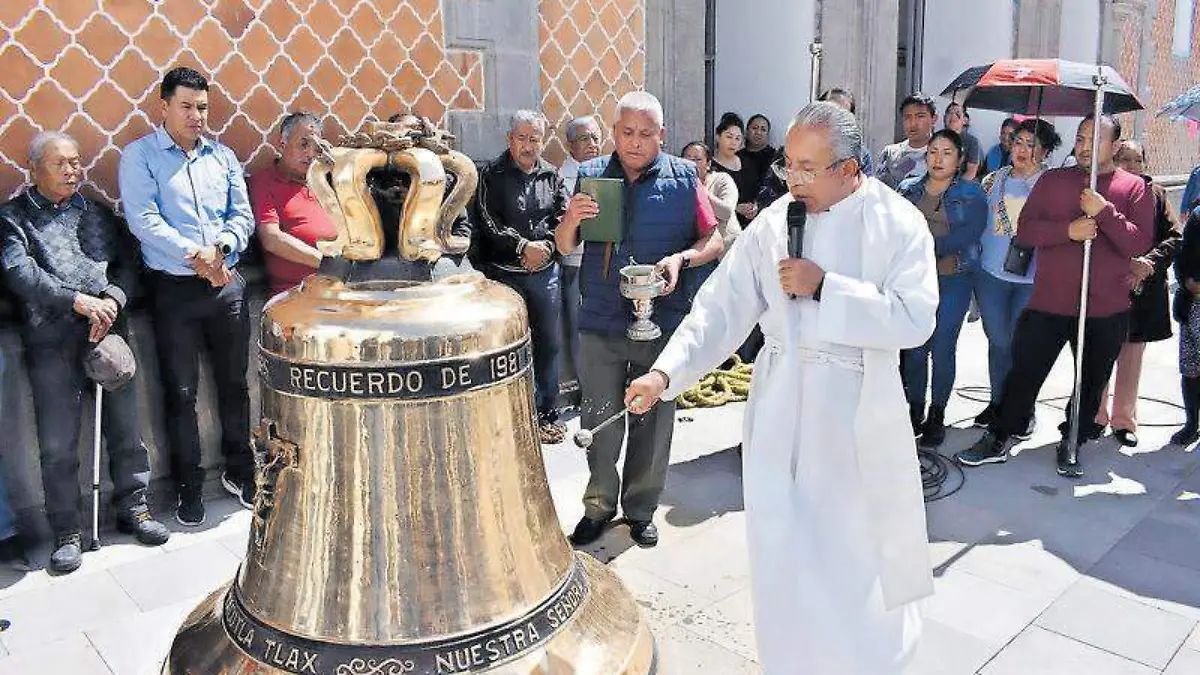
(1039,23)
(860,40)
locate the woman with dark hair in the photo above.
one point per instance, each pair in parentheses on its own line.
(1187,313)
(759,154)
(721,188)
(1150,315)
(1004,280)
(723,196)
(730,134)
(956,211)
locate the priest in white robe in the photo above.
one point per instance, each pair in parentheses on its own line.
(834,503)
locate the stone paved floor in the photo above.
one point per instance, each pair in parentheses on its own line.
(1034,574)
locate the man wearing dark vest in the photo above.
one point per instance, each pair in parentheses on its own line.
(667,221)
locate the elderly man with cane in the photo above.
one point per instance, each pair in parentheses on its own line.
(72,266)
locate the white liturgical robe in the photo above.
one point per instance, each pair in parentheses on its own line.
(834,505)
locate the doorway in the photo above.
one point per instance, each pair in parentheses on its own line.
(910,53)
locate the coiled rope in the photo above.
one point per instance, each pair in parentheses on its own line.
(721,386)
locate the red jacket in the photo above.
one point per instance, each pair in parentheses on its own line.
(1125,231)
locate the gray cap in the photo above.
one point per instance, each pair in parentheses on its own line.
(110,362)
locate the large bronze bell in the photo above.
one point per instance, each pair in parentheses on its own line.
(403,523)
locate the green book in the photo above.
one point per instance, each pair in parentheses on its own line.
(609,193)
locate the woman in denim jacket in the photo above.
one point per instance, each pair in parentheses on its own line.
(956,211)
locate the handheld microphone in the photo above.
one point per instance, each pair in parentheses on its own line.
(797,216)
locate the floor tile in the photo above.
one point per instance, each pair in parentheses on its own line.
(138,644)
(1169,542)
(729,623)
(61,610)
(1186,662)
(1037,651)
(73,655)
(683,652)
(946,651)
(664,602)
(1117,624)
(989,611)
(178,575)
(1149,580)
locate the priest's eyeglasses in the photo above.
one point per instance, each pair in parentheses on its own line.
(792,176)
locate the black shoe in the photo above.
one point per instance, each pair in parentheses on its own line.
(589,530)
(1190,433)
(917,417)
(1126,438)
(190,511)
(1029,430)
(14,552)
(933,432)
(138,522)
(643,533)
(242,489)
(987,450)
(987,417)
(68,553)
(1068,461)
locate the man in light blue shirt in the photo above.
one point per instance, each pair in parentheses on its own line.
(185,199)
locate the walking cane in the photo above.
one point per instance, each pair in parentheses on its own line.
(96,468)
(1073,440)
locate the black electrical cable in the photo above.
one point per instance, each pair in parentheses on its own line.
(937,469)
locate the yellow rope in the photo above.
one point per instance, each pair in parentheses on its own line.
(719,387)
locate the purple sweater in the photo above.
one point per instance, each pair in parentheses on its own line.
(1126,230)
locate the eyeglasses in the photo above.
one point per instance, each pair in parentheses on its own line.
(799,176)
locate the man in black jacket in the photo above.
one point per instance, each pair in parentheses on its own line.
(72,265)
(519,203)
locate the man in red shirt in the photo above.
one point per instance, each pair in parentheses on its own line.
(289,218)
(1060,214)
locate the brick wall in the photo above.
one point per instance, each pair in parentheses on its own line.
(1172,149)
(592,53)
(91,67)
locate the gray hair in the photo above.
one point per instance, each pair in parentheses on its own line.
(641,102)
(37,146)
(845,135)
(293,121)
(579,124)
(530,117)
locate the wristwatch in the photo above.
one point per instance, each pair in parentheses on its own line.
(224,247)
(687,260)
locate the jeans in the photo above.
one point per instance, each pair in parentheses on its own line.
(571,300)
(610,363)
(1000,305)
(191,316)
(542,296)
(1038,340)
(955,298)
(54,357)
(8,519)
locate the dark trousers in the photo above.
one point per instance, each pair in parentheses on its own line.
(191,316)
(1037,343)
(610,363)
(542,296)
(571,301)
(54,358)
(941,348)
